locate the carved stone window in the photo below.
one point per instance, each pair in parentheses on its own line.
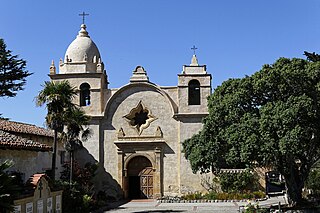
(140,117)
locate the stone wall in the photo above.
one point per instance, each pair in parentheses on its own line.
(27,162)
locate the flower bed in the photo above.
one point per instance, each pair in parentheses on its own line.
(214,197)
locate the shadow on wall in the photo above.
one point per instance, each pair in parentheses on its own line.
(103,181)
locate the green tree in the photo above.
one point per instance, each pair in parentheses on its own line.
(13,72)
(271,118)
(58,98)
(77,131)
(314,57)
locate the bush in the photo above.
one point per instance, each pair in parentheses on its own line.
(72,197)
(313,182)
(78,196)
(195,196)
(239,182)
(225,196)
(211,196)
(9,187)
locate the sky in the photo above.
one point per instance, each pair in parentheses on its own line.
(234,38)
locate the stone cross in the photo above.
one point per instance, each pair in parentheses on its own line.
(40,187)
(83,14)
(194,49)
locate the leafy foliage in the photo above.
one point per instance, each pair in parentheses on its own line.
(78,196)
(13,72)
(58,98)
(225,196)
(9,187)
(271,118)
(239,182)
(313,182)
(312,56)
(82,175)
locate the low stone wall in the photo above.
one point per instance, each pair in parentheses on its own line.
(40,199)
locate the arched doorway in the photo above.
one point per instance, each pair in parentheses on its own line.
(140,178)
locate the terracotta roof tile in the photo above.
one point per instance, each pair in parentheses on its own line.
(12,126)
(10,141)
(34,179)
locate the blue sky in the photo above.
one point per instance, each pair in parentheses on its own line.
(234,38)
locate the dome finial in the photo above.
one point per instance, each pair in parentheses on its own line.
(83,31)
(194,61)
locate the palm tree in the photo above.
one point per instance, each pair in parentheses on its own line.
(76,132)
(58,98)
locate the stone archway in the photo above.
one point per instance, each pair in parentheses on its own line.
(140,177)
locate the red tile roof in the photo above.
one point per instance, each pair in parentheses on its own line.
(34,179)
(12,126)
(10,141)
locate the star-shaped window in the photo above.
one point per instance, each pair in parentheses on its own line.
(140,117)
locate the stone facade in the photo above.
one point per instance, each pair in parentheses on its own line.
(138,129)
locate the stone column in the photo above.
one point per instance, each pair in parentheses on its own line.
(157,174)
(122,177)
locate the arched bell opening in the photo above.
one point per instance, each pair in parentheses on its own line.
(194,92)
(85,94)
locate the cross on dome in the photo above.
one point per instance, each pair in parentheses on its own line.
(83,14)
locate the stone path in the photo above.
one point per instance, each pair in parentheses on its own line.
(152,206)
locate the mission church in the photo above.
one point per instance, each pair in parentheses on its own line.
(138,129)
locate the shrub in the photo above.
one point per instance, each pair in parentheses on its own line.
(259,194)
(9,186)
(193,196)
(211,196)
(239,182)
(78,195)
(313,181)
(225,196)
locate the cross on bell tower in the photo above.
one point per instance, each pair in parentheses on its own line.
(194,48)
(83,14)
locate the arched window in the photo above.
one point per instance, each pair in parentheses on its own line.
(194,92)
(84,94)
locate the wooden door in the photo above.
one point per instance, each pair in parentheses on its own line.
(146,182)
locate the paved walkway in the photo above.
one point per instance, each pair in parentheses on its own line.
(152,206)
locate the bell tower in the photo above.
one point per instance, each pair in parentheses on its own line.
(194,86)
(83,68)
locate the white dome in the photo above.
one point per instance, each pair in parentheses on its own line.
(82,49)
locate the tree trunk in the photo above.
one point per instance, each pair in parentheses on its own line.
(71,167)
(294,187)
(54,155)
